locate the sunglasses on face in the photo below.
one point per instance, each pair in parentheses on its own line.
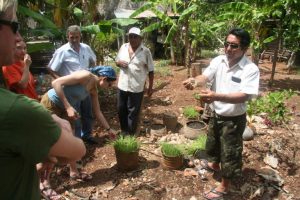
(13,25)
(232,45)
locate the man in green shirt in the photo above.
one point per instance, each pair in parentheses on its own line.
(28,133)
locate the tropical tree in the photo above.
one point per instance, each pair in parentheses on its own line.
(252,15)
(185,27)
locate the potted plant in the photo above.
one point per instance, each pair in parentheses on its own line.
(172,156)
(197,147)
(126,150)
(190,113)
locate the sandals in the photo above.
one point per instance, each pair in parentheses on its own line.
(218,195)
(81,177)
(49,194)
(204,165)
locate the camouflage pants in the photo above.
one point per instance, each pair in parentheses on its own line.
(224,143)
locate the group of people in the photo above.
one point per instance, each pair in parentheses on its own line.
(47,136)
(29,134)
(51,131)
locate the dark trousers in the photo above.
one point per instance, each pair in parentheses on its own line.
(84,125)
(129,105)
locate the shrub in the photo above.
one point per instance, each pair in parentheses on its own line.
(273,105)
(126,144)
(171,150)
(206,53)
(162,67)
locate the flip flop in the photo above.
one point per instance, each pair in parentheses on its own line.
(204,165)
(81,177)
(219,196)
(49,194)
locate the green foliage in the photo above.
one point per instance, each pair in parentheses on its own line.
(273,105)
(78,13)
(197,96)
(171,150)
(45,26)
(190,112)
(41,46)
(102,37)
(126,144)
(124,22)
(196,145)
(162,68)
(205,53)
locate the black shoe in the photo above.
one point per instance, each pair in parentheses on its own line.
(90,140)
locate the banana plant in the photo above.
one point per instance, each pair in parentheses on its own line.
(253,14)
(186,26)
(181,10)
(104,34)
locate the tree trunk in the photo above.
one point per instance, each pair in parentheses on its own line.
(274,61)
(297,59)
(255,52)
(275,58)
(172,54)
(187,48)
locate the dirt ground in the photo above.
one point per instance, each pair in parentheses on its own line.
(151,181)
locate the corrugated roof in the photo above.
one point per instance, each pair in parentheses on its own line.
(125,13)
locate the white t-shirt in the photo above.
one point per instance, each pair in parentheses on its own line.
(133,78)
(66,60)
(242,77)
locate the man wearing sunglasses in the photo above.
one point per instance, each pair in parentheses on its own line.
(136,63)
(28,133)
(235,79)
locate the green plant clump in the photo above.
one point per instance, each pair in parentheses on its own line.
(206,53)
(126,144)
(162,67)
(273,105)
(198,144)
(190,112)
(171,150)
(197,96)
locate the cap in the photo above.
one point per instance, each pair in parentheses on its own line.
(136,31)
(106,71)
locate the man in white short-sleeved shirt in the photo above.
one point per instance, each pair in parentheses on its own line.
(240,78)
(72,56)
(136,64)
(235,79)
(66,60)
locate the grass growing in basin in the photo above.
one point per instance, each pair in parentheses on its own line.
(126,144)
(190,112)
(171,150)
(196,145)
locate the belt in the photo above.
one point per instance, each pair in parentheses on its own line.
(217,116)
